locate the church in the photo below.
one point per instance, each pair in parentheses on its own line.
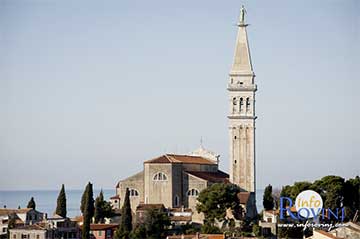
(176,180)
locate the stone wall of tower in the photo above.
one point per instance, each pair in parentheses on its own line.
(242,88)
(243,155)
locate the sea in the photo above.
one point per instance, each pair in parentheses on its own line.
(46,199)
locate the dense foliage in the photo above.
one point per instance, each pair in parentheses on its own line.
(268,200)
(87,209)
(154,225)
(31,203)
(103,209)
(125,225)
(61,203)
(335,191)
(216,199)
(11,223)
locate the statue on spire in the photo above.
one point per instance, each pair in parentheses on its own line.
(242,14)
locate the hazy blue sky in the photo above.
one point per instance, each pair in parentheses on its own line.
(91,89)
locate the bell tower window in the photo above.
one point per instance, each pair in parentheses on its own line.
(241,104)
(247,104)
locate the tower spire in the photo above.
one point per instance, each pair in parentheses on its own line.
(242,88)
(242,61)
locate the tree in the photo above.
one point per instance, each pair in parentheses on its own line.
(331,188)
(154,225)
(125,225)
(31,203)
(11,223)
(352,197)
(103,209)
(294,190)
(61,203)
(268,200)
(87,209)
(99,214)
(216,199)
(208,228)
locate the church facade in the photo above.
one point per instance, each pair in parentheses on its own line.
(172,180)
(176,180)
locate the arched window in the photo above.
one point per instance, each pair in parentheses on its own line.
(193,193)
(133,193)
(176,201)
(247,104)
(241,104)
(234,101)
(160,177)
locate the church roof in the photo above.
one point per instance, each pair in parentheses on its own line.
(134,177)
(176,158)
(215,177)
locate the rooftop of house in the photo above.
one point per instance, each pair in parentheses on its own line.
(77,219)
(37,226)
(8,211)
(177,158)
(100,227)
(292,209)
(115,197)
(143,206)
(272,212)
(180,209)
(198,236)
(327,234)
(180,218)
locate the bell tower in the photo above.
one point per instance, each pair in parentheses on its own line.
(241,90)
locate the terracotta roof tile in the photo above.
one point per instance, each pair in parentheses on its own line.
(30,227)
(201,236)
(115,197)
(328,235)
(8,211)
(77,219)
(100,227)
(175,158)
(143,206)
(181,237)
(215,177)
(178,209)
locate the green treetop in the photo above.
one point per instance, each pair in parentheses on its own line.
(268,200)
(103,209)
(31,203)
(216,199)
(61,203)
(125,225)
(87,209)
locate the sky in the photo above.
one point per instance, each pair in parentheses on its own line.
(91,89)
